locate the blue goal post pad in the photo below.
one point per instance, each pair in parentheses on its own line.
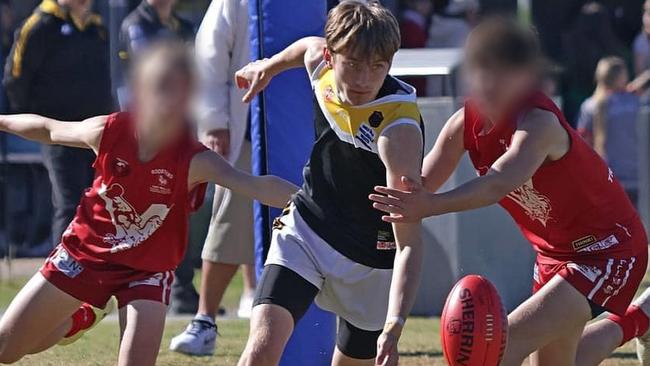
(282,134)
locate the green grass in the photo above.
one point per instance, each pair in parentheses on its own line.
(420,344)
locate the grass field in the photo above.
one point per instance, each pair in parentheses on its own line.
(420,344)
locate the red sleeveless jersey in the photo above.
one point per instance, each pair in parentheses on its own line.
(572,207)
(135,215)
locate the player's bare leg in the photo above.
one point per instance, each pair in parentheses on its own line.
(340,359)
(31,323)
(560,351)
(271,327)
(143,323)
(598,342)
(558,308)
(601,338)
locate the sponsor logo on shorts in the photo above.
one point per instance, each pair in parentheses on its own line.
(591,272)
(606,243)
(536,273)
(385,241)
(66,264)
(155,280)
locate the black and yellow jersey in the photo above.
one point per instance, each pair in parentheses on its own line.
(344,167)
(59,67)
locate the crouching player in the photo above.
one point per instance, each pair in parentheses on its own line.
(331,244)
(130,230)
(591,246)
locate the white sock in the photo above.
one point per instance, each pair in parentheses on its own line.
(205,318)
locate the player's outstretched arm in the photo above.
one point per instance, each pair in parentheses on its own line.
(443,159)
(539,137)
(400,148)
(306,52)
(210,167)
(86,134)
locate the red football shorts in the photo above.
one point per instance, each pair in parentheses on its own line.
(609,282)
(96,285)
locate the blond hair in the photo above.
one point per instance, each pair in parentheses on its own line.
(608,71)
(362,29)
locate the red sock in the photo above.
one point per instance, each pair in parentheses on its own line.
(83,318)
(634,323)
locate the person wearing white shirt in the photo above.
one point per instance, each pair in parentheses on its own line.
(222,48)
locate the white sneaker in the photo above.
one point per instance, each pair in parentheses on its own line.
(245,305)
(643,342)
(198,339)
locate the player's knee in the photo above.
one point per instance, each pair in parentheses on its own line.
(261,349)
(257,359)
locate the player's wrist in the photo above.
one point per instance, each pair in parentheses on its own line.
(273,66)
(394,326)
(435,204)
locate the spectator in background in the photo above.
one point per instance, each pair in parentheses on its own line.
(641,46)
(59,68)
(222,48)
(6,40)
(450,28)
(414,22)
(608,121)
(589,39)
(152,20)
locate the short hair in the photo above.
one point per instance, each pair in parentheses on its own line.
(171,54)
(363,29)
(608,70)
(503,42)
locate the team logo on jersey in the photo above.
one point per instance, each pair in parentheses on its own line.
(120,167)
(328,93)
(163,177)
(131,227)
(375,119)
(536,205)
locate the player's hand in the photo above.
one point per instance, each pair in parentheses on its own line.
(255,77)
(409,205)
(387,354)
(218,141)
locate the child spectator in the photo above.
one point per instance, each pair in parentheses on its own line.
(608,120)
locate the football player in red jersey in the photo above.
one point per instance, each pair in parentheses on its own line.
(590,243)
(130,230)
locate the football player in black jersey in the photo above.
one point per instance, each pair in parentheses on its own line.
(330,245)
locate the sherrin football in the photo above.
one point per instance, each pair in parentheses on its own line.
(474,325)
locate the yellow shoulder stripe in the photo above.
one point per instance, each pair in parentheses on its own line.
(52,7)
(361,125)
(19,50)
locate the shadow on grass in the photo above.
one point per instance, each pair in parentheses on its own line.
(421,354)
